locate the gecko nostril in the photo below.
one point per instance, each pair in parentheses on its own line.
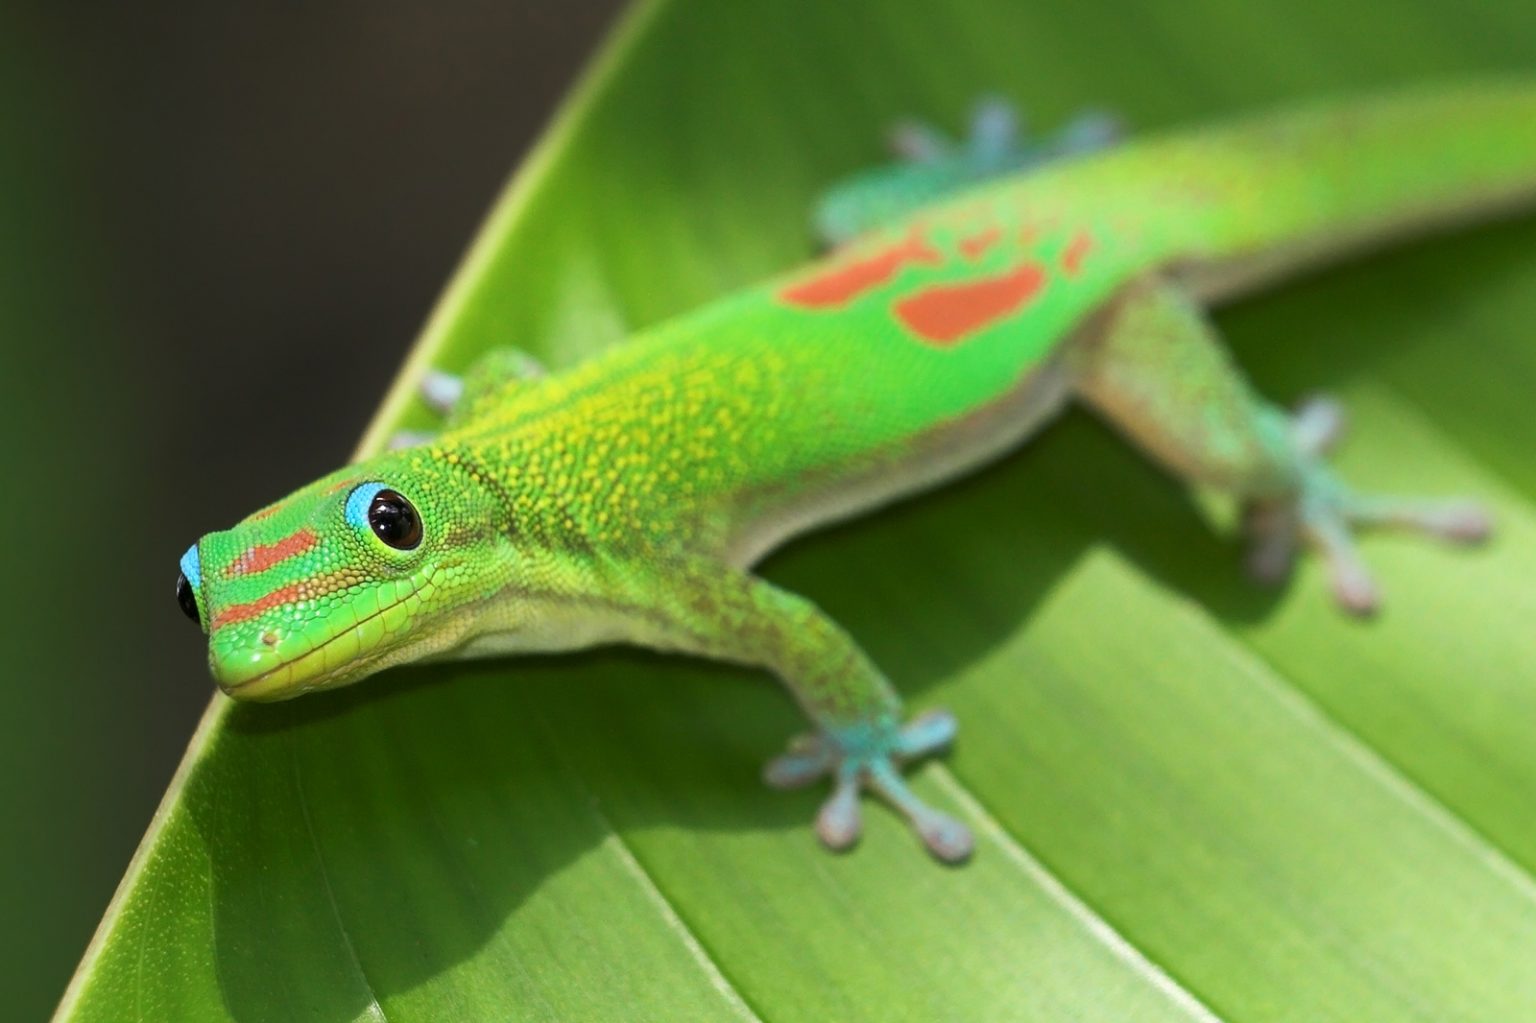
(270,637)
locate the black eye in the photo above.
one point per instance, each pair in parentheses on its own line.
(394,520)
(186,598)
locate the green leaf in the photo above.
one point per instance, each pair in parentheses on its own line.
(1195,801)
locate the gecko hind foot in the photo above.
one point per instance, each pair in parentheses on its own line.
(999,140)
(931,165)
(862,757)
(1325,514)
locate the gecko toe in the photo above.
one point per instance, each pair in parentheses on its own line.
(948,840)
(441,390)
(1328,532)
(927,733)
(1318,425)
(1272,529)
(1454,520)
(409,439)
(945,837)
(808,758)
(838,822)
(918,142)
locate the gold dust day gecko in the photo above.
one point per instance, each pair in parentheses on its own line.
(973,291)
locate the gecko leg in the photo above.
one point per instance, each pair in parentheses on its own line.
(859,740)
(1158,372)
(931,166)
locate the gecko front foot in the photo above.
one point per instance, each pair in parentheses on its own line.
(1324,514)
(870,756)
(455,397)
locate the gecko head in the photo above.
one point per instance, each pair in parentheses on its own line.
(370,566)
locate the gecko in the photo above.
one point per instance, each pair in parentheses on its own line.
(972,291)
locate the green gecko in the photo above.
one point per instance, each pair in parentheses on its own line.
(974,292)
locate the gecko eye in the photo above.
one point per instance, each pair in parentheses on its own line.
(186,598)
(394,520)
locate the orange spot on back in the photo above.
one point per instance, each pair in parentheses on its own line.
(946,313)
(1076,251)
(259,559)
(975,246)
(846,281)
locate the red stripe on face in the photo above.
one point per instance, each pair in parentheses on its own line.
(259,559)
(1077,250)
(946,313)
(304,589)
(976,245)
(847,281)
(242,612)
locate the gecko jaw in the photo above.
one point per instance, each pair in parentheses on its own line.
(276,679)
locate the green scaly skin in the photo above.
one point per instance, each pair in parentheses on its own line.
(624,500)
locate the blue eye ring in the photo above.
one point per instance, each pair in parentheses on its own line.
(192,567)
(358,502)
(188,581)
(387,514)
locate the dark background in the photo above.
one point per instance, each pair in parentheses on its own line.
(223,215)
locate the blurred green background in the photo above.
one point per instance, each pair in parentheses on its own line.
(209,214)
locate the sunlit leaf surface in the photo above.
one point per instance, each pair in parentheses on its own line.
(1195,801)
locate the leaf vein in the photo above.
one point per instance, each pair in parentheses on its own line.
(375,1010)
(675,922)
(1096,925)
(1354,747)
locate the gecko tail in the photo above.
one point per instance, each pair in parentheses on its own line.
(1425,157)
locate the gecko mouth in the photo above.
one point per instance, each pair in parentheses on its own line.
(277,682)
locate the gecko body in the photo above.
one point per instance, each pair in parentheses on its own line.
(626,499)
